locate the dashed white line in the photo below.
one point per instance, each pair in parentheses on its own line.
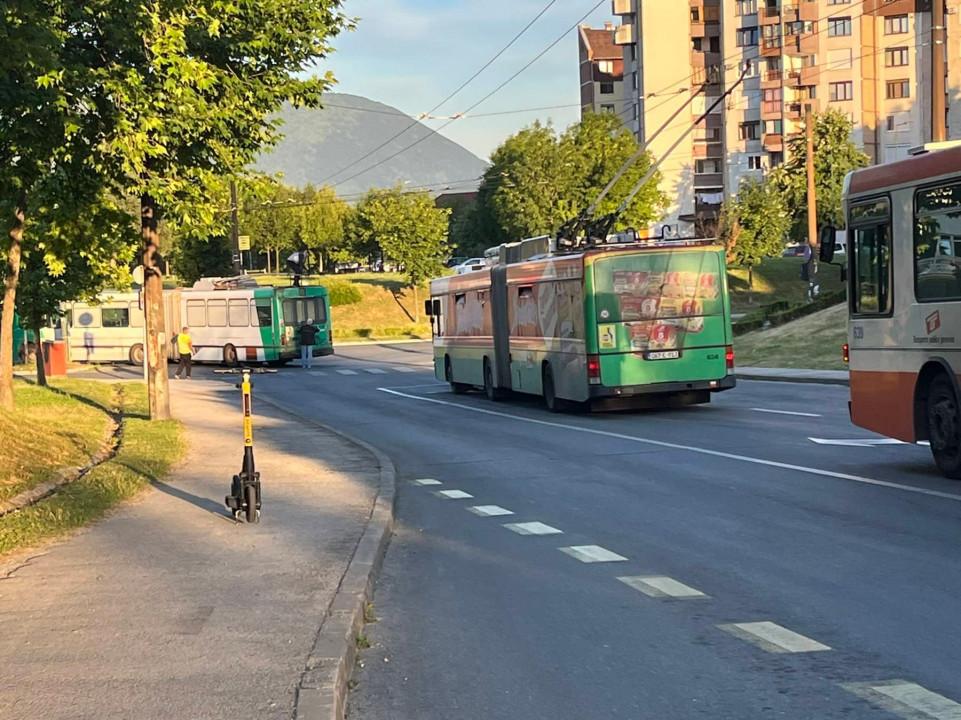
(592,554)
(688,448)
(345,371)
(533,528)
(773,637)
(489,510)
(660,586)
(426,481)
(453,494)
(907,699)
(402,369)
(785,412)
(316,373)
(375,371)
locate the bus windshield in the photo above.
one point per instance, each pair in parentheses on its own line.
(661,299)
(299,310)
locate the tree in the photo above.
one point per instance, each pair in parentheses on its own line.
(408,229)
(754,225)
(835,156)
(196,83)
(266,216)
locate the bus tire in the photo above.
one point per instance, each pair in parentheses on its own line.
(944,426)
(136,355)
(551,401)
(230,356)
(493,394)
(455,387)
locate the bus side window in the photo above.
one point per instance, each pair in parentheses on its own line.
(217,313)
(115,317)
(937,232)
(261,315)
(237,313)
(196,313)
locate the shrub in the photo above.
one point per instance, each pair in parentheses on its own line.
(343,293)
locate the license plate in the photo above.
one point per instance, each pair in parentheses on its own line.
(663,355)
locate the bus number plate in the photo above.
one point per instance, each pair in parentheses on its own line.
(663,355)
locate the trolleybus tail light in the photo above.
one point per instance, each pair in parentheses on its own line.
(729,357)
(846,352)
(593,370)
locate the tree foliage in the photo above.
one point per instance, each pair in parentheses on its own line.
(755,224)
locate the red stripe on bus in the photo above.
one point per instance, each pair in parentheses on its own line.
(884,402)
(923,167)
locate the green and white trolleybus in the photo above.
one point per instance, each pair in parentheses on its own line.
(644,321)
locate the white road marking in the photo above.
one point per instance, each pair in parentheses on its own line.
(660,586)
(688,448)
(785,412)
(316,373)
(375,371)
(402,369)
(856,442)
(907,699)
(344,371)
(592,554)
(453,494)
(427,481)
(773,637)
(533,528)
(489,510)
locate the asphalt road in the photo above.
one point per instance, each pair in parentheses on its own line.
(821,580)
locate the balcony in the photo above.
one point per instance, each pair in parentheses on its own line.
(797,109)
(773,142)
(771,79)
(772,109)
(704,150)
(805,10)
(806,44)
(769,15)
(770,47)
(709,180)
(890,7)
(624,34)
(801,77)
(623,7)
(704,60)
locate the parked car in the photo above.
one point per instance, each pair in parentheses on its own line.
(793,251)
(470,266)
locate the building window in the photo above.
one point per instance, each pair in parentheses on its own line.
(799,27)
(697,44)
(839,27)
(748,130)
(607,88)
(609,109)
(896,57)
(746,37)
(708,166)
(706,134)
(840,91)
(839,2)
(606,66)
(896,25)
(714,43)
(754,162)
(897,89)
(745,7)
(773,127)
(695,15)
(776,158)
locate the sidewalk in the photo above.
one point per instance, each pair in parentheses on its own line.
(825,377)
(168,609)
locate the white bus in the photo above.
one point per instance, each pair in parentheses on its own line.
(904,295)
(228,324)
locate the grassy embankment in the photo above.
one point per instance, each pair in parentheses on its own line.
(811,342)
(776,280)
(50,430)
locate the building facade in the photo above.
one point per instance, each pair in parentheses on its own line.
(869,59)
(601,70)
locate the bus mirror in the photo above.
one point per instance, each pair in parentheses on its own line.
(826,240)
(429,308)
(436,308)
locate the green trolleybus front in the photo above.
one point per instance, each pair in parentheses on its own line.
(647,323)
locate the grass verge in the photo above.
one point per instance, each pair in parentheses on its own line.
(776,279)
(147,452)
(812,342)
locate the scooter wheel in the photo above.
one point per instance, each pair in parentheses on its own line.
(250,504)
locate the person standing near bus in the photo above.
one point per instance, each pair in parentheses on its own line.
(185,348)
(308,337)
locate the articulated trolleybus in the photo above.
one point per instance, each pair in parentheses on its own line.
(904,295)
(642,321)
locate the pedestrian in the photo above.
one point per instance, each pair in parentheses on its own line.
(308,336)
(185,348)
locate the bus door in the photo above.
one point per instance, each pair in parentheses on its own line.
(501,327)
(297,311)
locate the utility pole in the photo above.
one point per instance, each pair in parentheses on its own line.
(812,189)
(938,130)
(155,350)
(235,229)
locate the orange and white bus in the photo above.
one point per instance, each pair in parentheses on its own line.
(904,296)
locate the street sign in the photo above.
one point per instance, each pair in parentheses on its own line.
(243,242)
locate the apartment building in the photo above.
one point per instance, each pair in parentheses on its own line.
(869,59)
(601,70)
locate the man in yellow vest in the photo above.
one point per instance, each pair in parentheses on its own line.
(185,348)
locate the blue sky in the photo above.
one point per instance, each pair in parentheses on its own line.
(413,53)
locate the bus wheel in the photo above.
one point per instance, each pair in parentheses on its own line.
(230,356)
(493,394)
(455,387)
(551,401)
(944,427)
(136,355)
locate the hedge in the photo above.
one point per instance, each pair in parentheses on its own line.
(782,312)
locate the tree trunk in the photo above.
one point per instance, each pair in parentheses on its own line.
(268,261)
(11,279)
(416,305)
(750,276)
(277,265)
(41,371)
(158,390)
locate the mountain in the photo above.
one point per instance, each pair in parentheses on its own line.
(320,142)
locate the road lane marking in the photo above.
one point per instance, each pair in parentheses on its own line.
(906,699)
(427,481)
(533,528)
(375,371)
(402,369)
(347,372)
(453,494)
(660,586)
(785,412)
(856,442)
(489,510)
(316,373)
(773,637)
(592,554)
(688,448)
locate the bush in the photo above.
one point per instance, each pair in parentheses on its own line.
(343,293)
(777,314)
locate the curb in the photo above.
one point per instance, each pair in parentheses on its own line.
(794,379)
(363,343)
(322,690)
